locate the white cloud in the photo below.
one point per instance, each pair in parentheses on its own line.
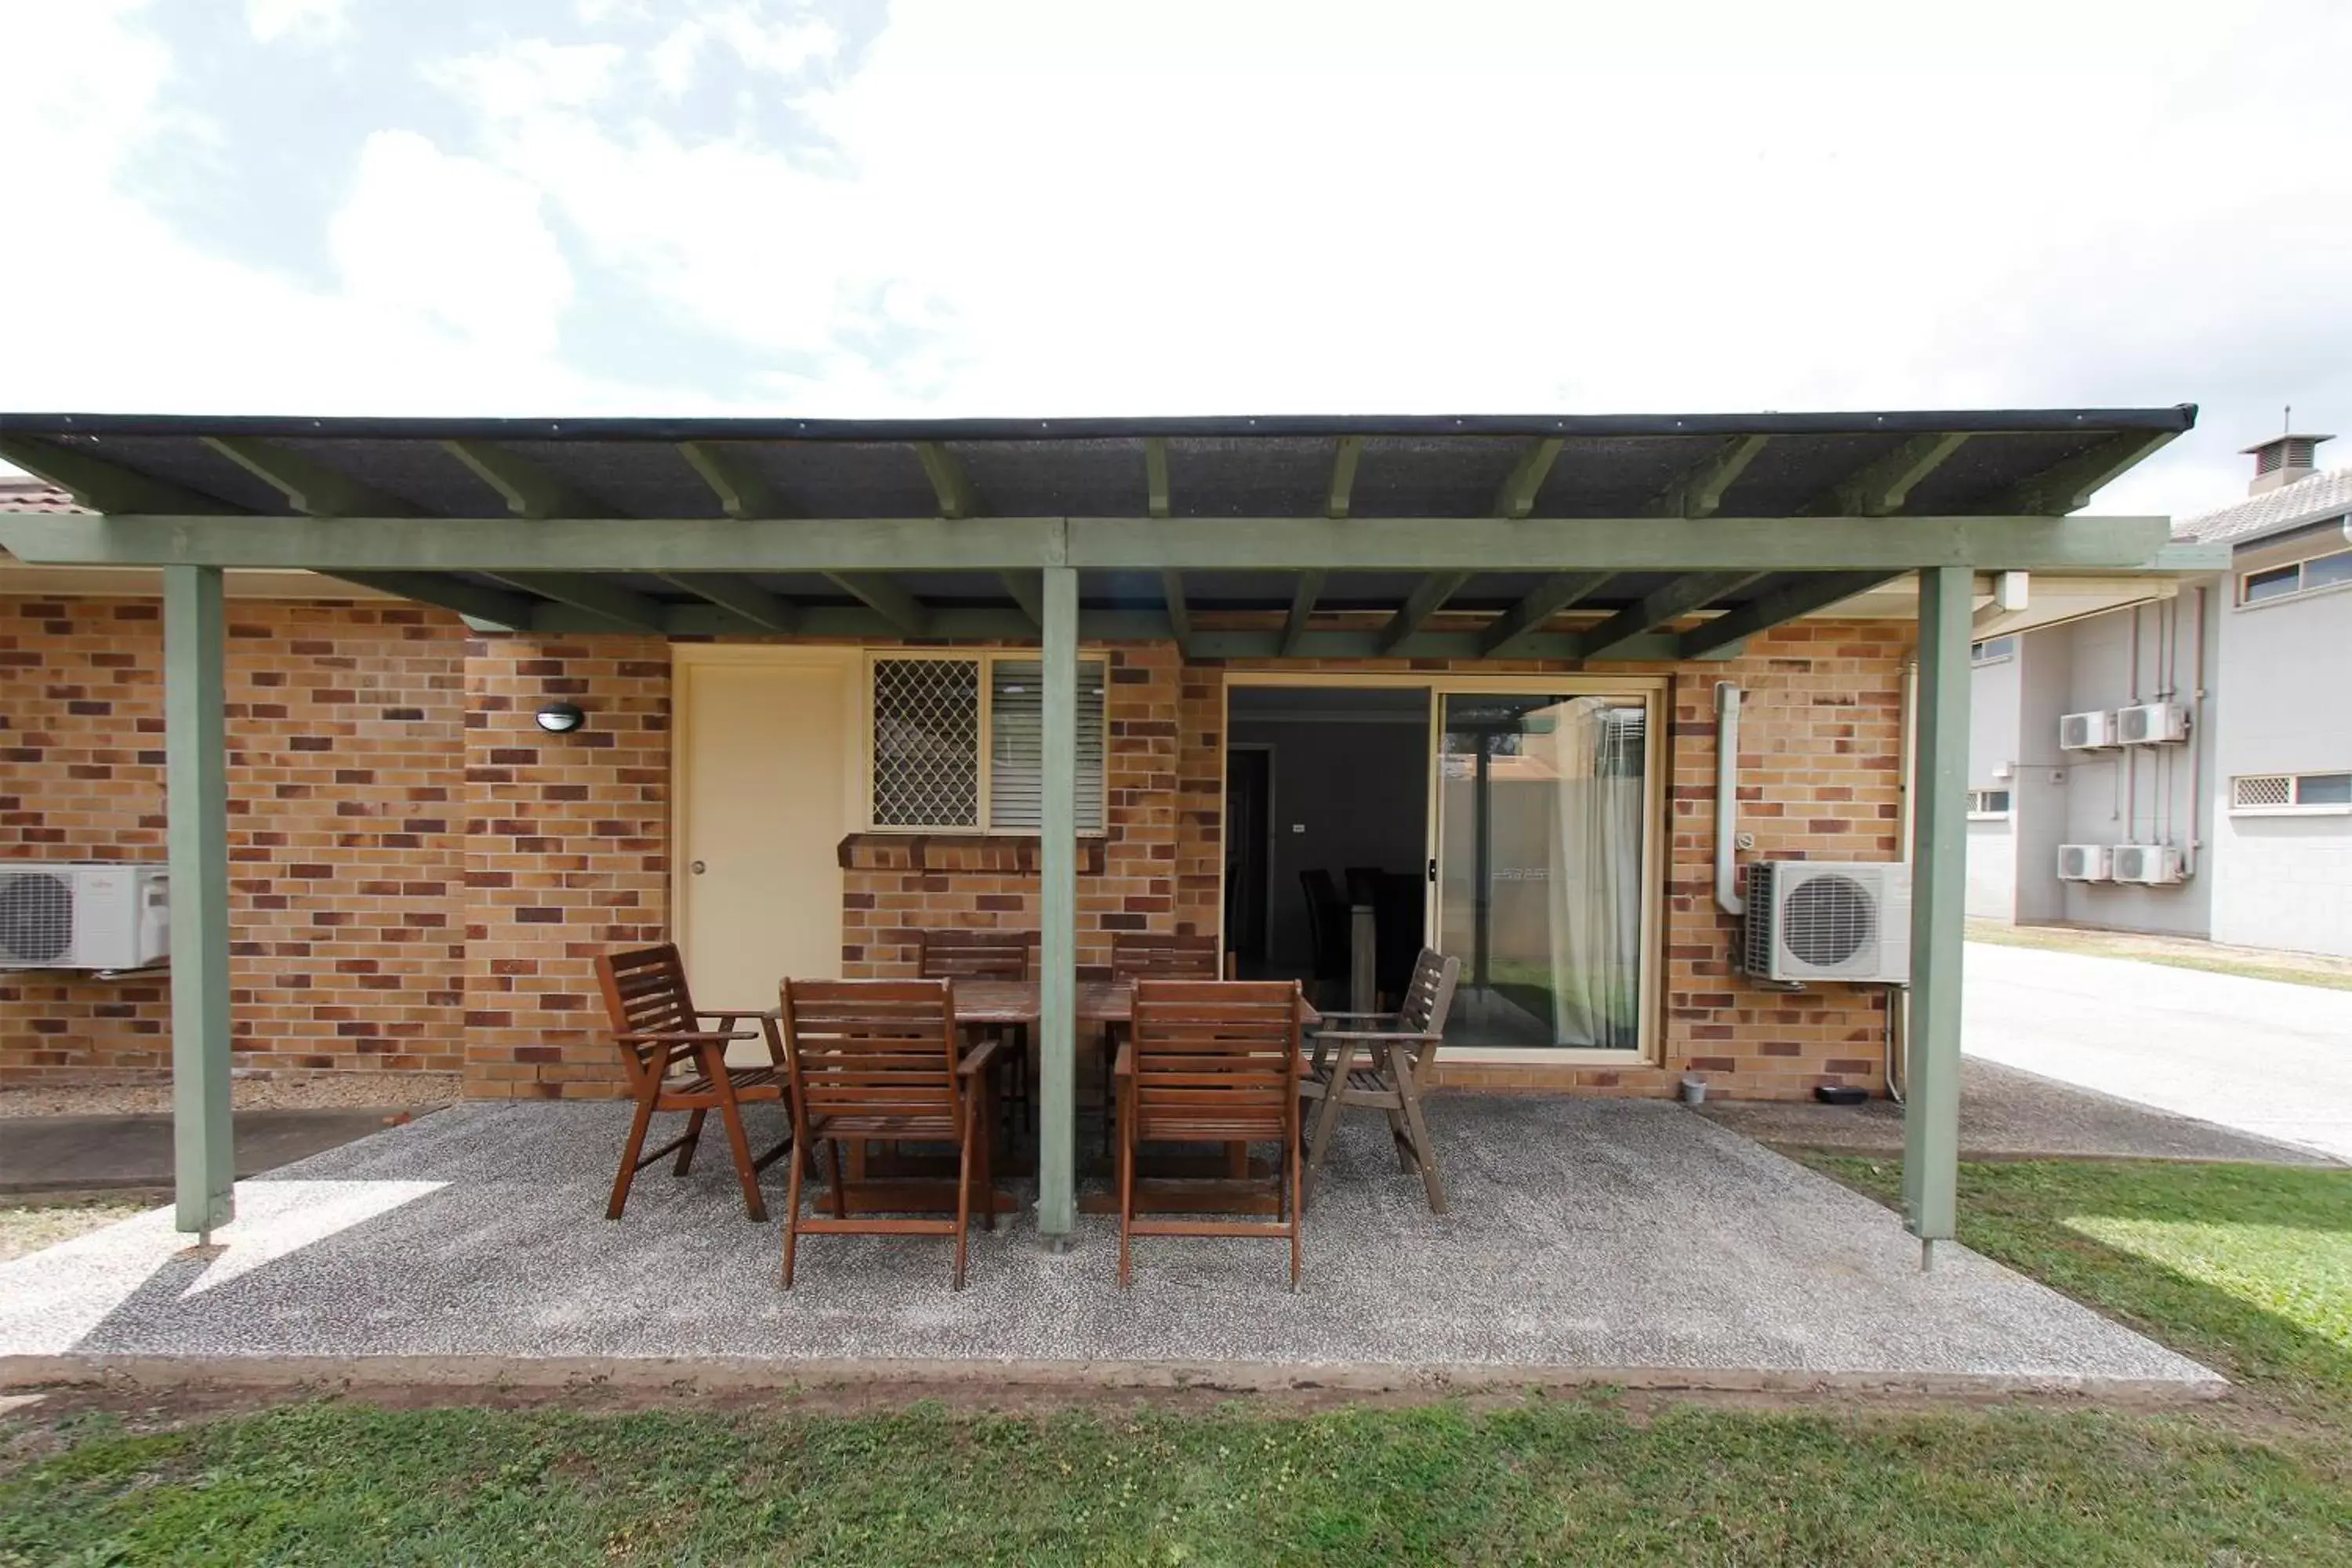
(454,241)
(310,20)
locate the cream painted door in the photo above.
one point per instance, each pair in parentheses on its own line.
(764,748)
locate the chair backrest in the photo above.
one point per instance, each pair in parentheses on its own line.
(644,994)
(1217,1053)
(959,955)
(1144,954)
(1428,996)
(872,1048)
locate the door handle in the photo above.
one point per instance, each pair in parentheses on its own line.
(698,867)
(1432,868)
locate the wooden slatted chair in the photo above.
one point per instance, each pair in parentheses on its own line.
(660,1031)
(958,954)
(1382,1060)
(1149,955)
(1212,1061)
(877,1060)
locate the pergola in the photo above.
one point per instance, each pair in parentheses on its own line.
(1458,538)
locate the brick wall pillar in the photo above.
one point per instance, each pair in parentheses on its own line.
(567,853)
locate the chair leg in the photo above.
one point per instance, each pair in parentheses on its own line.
(840,1194)
(741,1147)
(987,1156)
(972,1134)
(629,1152)
(1327,1122)
(686,1148)
(791,1219)
(1125,1204)
(1401,1138)
(1298,1203)
(1424,1151)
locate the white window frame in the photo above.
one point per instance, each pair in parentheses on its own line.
(2006,642)
(2300,567)
(2294,806)
(987,659)
(1980,812)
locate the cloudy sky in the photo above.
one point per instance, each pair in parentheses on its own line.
(1109,206)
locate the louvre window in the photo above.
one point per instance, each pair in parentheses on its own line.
(2331,571)
(960,744)
(1988,803)
(1993,650)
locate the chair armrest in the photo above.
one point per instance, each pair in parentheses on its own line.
(1391,1035)
(740,1013)
(1328,1017)
(688,1037)
(1125,1066)
(978,1063)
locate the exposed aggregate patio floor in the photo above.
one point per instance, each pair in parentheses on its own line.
(1600,1237)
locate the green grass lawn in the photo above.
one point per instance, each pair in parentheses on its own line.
(2178,952)
(2248,1268)
(28,1227)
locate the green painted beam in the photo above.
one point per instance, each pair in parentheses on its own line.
(1813,593)
(310,486)
(744,491)
(1516,496)
(1684,595)
(1880,487)
(1988,543)
(1698,492)
(195,761)
(1654,647)
(454,594)
(103,486)
(737,597)
(1179,613)
(623,607)
(949,482)
(1343,476)
(1027,591)
(1302,611)
(1940,844)
(1514,627)
(1156,494)
(909,616)
(529,489)
(2069,486)
(1058,906)
(1427,598)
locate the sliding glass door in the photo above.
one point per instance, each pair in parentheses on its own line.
(1542,828)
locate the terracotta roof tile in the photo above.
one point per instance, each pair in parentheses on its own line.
(35,495)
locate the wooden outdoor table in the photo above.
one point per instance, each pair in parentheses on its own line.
(1103,1005)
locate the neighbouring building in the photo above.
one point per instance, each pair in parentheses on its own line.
(2183,764)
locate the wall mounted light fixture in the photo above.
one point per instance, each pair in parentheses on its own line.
(559,718)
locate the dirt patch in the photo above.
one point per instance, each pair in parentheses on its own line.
(2185,953)
(28,1227)
(292,1091)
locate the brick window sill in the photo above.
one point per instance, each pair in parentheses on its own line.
(1015,854)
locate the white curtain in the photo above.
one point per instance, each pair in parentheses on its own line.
(1594,750)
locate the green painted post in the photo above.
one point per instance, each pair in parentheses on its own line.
(196,761)
(1931,1114)
(1057,939)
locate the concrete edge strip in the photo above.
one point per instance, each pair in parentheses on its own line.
(724,1375)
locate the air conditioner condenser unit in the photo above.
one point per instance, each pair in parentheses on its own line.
(2086,731)
(2152,724)
(2085,863)
(1815,919)
(2153,865)
(81,915)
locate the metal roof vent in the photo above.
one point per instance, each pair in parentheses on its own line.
(2282,461)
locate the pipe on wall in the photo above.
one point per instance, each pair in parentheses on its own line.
(2197,743)
(1727,798)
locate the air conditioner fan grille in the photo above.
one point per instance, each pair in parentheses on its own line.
(1827,921)
(36,917)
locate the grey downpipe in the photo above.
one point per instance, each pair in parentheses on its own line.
(1727,798)
(1897,1061)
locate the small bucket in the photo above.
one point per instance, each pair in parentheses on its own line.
(1694,1091)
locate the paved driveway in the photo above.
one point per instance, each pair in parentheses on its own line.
(2261,1056)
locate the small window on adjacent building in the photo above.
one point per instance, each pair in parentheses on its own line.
(1993,650)
(2256,793)
(2330,571)
(1988,803)
(960,744)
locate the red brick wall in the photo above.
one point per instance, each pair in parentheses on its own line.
(566,853)
(344,844)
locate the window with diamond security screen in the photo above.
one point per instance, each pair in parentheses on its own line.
(1016,722)
(926,742)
